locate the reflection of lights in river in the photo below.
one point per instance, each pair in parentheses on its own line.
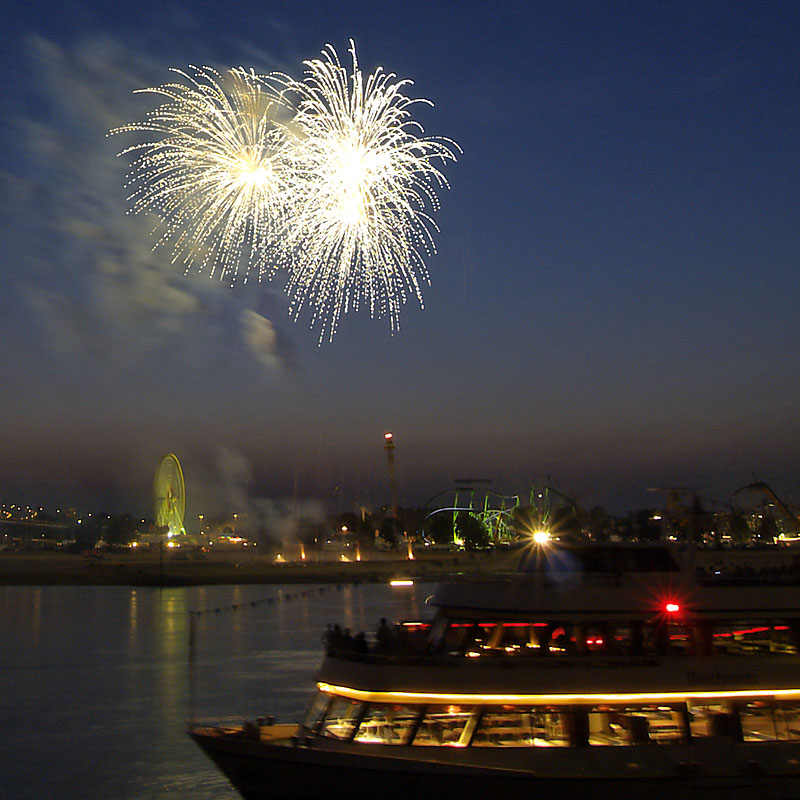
(36,627)
(133,620)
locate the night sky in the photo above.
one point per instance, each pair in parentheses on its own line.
(613,306)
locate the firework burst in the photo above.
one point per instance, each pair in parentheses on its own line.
(219,176)
(328,177)
(360,231)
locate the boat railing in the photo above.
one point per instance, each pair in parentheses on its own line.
(711,578)
(258,729)
(489,659)
(227,723)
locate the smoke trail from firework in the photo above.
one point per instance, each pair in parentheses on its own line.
(219,177)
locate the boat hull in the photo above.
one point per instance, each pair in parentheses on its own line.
(278,769)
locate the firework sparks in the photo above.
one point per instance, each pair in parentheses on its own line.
(219,177)
(360,232)
(329,178)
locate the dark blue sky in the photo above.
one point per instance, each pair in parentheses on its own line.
(614,303)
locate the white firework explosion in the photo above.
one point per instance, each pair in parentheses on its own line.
(329,178)
(360,231)
(220,175)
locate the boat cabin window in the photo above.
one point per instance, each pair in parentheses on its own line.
(680,639)
(562,642)
(341,718)
(517,637)
(714,719)
(550,726)
(734,638)
(467,637)
(316,711)
(620,725)
(654,637)
(444,725)
(625,639)
(595,639)
(515,726)
(388,724)
(758,723)
(787,722)
(764,722)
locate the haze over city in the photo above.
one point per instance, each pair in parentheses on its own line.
(612,305)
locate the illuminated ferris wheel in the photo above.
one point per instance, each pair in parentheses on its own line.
(169,496)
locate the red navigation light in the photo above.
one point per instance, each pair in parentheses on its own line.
(672,608)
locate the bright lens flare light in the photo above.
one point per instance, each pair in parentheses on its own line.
(218,174)
(541,537)
(362,229)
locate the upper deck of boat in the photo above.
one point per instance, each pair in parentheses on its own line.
(573,619)
(617,581)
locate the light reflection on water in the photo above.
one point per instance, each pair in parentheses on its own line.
(95,682)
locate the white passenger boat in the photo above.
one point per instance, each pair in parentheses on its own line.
(601,669)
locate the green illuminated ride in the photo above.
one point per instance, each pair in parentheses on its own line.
(549,510)
(169,496)
(492,510)
(503,517)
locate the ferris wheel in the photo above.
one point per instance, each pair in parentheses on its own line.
(169,495)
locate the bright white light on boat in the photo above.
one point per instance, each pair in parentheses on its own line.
(672,608)
(401,583)
(541,537)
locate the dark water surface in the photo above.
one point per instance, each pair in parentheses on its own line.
(96,684)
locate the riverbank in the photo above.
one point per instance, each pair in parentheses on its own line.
(146,569)
(149,568)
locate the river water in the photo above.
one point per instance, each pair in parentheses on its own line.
(96,683)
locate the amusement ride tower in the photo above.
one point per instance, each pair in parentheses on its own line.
(389,448)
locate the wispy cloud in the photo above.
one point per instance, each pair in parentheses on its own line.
(93,283)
